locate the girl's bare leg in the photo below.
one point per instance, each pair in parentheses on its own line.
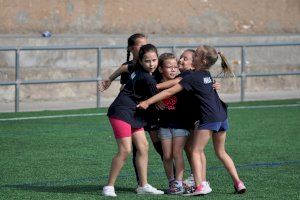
(201,138)
(124,149)
(178,145)
(168,158)
(188,148)
(203,162)
(219,146)
(140,141)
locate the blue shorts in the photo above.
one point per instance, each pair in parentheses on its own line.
(169,133)
(213,126)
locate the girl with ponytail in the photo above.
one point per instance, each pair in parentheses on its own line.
(211,120)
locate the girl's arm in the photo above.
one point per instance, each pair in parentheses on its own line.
(160,96)
(168,84)
(104,84)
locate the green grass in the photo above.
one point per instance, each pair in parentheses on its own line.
(69,158)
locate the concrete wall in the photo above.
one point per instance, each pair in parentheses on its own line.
(149,16)
(166,22)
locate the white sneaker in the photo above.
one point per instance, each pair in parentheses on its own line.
(206,187)
(148,189)
(109,191)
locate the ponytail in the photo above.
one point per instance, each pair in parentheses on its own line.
(225,66)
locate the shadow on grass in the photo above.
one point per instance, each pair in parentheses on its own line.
(79,189)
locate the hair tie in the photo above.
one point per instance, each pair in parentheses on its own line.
(219,52)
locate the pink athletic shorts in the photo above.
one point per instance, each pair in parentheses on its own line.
(122,129)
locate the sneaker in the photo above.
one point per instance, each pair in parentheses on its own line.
(239,187)
(206,187)
(175,188)
(148,189)
(196,191)
(190,181)
(109,191)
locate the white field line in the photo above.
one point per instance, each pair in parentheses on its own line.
(52,116)
(264,106)
(100,114)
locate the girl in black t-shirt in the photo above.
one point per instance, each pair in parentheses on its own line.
(173,131)
(134,44)
(128,122)
(185,116)
(212,114)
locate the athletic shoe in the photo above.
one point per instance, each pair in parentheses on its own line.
(239,187)
(197,191)
(148,189)
(206,187)
(109,191)
(175,188)
(188,189)
(190,181)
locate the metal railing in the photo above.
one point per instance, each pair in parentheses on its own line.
(243,74)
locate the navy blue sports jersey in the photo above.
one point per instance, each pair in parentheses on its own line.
(140,86)
(209,107)
(126,75)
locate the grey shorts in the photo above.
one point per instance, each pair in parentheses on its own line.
(169,133)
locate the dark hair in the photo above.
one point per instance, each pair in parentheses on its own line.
(206,56)
(143,50)
(131,42)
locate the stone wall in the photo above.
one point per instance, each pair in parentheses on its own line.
(149,16)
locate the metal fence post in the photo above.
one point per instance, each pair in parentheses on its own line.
(99,54)
(17,80)
(173,50)
(243,74)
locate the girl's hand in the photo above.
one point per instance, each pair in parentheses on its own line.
(143,105)
(216,85)
(103,85)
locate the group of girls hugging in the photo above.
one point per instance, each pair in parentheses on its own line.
(175,100)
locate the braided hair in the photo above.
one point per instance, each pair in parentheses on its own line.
(131,42)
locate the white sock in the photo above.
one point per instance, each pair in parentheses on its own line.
(203,182)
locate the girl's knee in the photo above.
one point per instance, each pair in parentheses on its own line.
(143,148)
(221,154)
(197,150)
(168,157)
(177,154)
(124,152)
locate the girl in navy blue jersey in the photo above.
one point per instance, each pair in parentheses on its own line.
(134,44)
(128,122)
(185,117)
(212,114)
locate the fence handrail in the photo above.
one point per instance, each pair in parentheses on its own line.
(242,75)
(91,47)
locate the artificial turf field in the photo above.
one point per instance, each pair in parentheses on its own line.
(68,155)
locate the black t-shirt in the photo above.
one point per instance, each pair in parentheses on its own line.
(125,76)
(209,107)
(177,113)
(140,86)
